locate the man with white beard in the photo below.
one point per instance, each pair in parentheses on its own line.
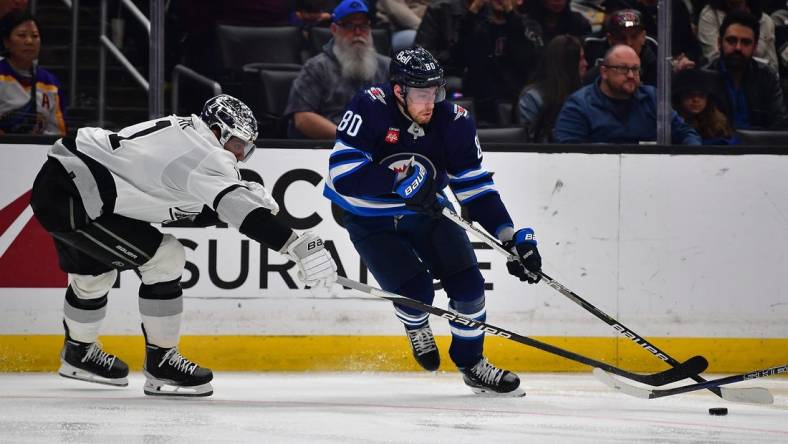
(329,80)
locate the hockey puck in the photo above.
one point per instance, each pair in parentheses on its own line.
(718,411)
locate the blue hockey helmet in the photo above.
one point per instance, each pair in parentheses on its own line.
(416,68)
(233,118)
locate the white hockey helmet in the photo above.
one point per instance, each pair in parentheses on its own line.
(233,118)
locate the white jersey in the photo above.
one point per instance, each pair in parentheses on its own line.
(162,170)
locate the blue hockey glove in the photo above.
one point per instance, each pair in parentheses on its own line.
(419,190)
(528,262)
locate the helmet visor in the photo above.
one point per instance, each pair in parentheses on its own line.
(242,149)
(430,94)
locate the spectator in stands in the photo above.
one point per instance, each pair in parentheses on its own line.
(498,46)
(617,108)
(329,80)
(695,101)
(683,40)
(556,17)
(559,74)
(31,98)
(404,17)
(7,6)
(753,96)
(309,13)
(625,27)
(439,31)
(712,16)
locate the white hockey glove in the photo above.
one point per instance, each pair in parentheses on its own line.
(267,199)
(316,267)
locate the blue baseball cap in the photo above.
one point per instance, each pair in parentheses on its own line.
(348,7)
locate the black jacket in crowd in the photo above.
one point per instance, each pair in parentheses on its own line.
(763,91)
(498,58)
(569,22)
(439,31)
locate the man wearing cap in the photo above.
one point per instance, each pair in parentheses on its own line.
(329,80)
(616,108)
(624,27)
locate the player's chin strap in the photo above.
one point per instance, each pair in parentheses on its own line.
(741,395)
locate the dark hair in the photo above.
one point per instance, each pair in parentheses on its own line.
(14,19)
(557,76)
(756,6)
(710,123)
(742,18)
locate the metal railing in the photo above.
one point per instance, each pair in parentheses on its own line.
(154,85)
(179,70)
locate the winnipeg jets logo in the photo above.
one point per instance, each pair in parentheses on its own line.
(400,162)
(416,130)
(376,93)
(459,112)
(392,136)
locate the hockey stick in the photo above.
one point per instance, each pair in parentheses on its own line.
(693,365)
(755,395)
(619,327)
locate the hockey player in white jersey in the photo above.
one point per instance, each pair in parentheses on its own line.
(97,195)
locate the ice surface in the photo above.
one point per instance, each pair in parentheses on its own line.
(375,408)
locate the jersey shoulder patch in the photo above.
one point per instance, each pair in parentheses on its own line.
(459,112)
(376,94)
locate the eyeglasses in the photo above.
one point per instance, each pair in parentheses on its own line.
(733,40)
(364,27)
(624,70)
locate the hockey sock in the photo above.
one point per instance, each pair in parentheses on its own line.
(419,288)
(83,316)
(161,307)
(467,343)
(466,294)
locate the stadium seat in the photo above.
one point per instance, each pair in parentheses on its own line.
(516,134)
(267,95)
(381,38)
(240,45)
(763,137)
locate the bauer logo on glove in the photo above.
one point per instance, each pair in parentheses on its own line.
(528,263)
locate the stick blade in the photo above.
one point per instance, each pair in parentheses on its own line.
(749,395)
(691,367)
(605,378)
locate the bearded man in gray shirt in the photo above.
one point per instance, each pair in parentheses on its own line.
(329,80)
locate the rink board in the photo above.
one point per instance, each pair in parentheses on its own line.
(687,250)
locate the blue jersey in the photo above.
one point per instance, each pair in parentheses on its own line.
(376,142)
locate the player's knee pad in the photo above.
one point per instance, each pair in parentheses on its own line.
(419,288)
(166,264)
(86,286)
(466,285)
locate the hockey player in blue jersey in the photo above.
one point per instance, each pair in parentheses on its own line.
(398,145)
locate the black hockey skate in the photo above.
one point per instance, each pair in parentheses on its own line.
(422,342)
(487,380)
(168,373)
(88,362)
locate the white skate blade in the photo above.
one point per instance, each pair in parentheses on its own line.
(67,370)
(487,393)
(161,387)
